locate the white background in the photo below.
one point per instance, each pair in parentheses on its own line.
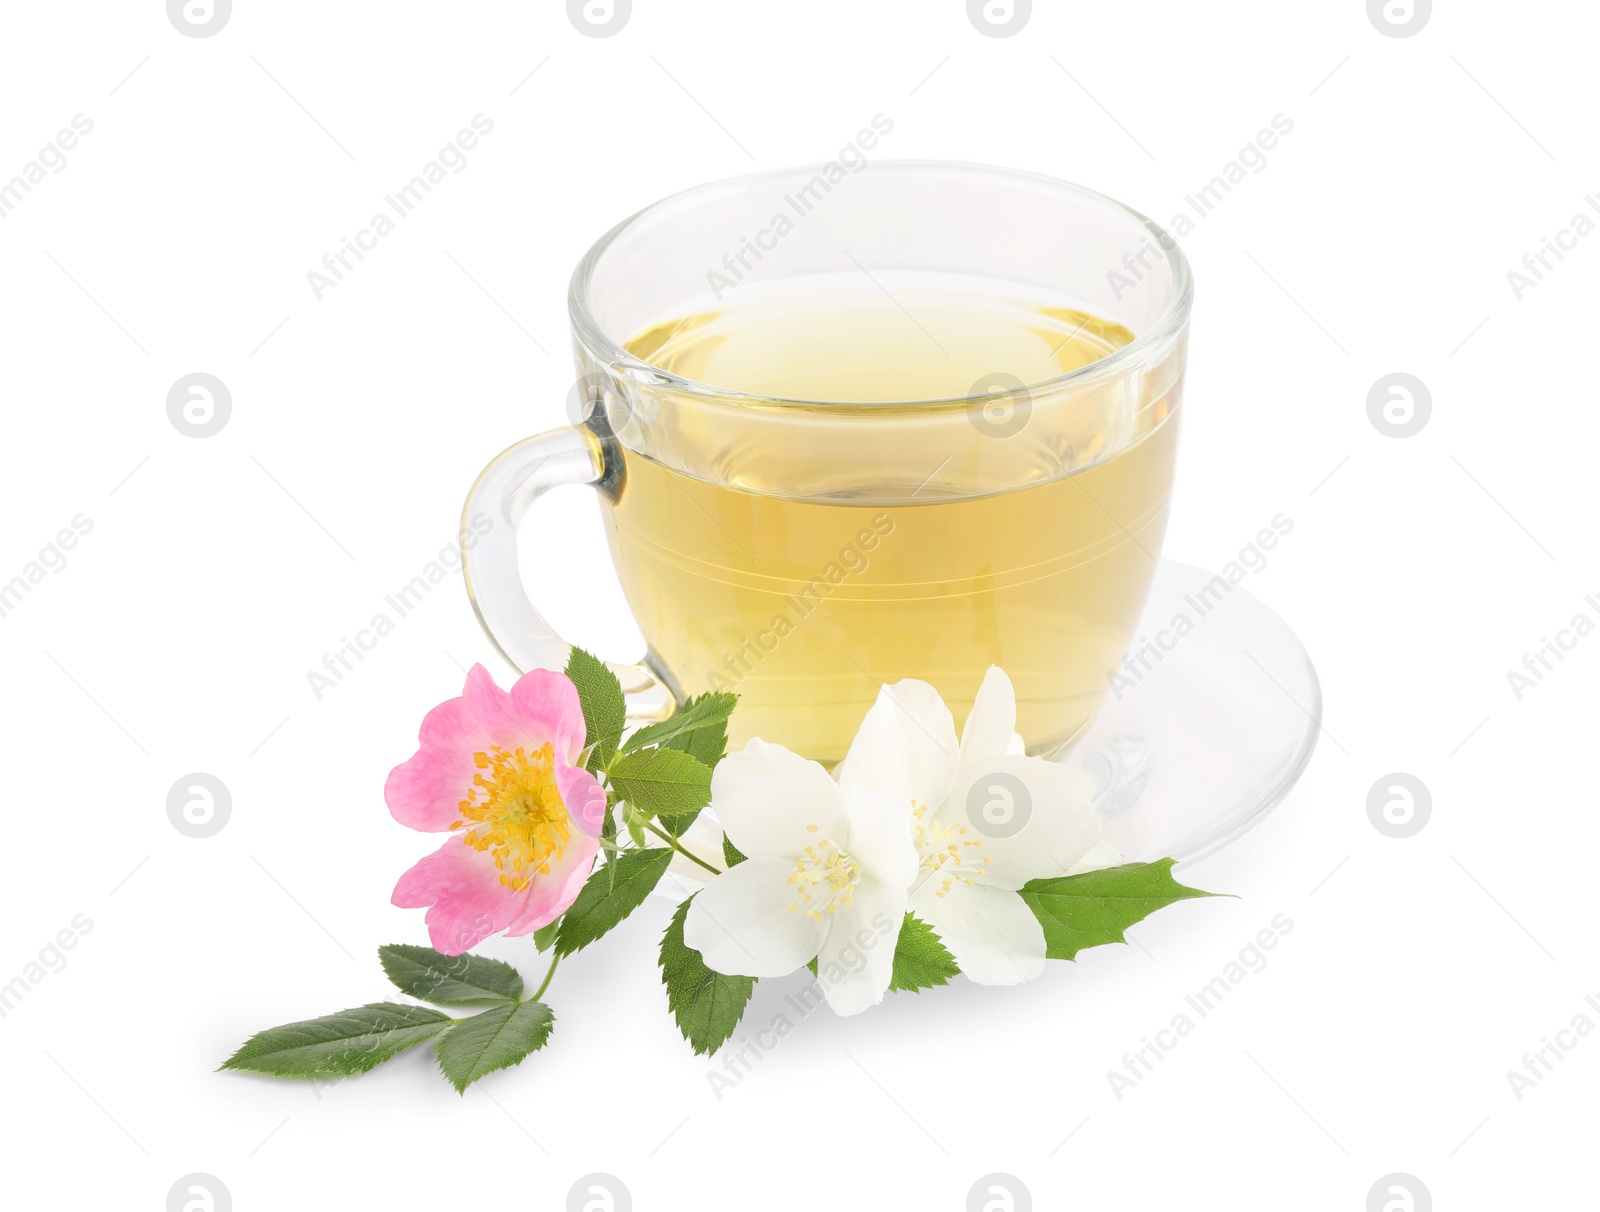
(219,571)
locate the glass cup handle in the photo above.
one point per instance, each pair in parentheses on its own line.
(512,481)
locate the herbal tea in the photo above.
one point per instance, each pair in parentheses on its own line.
(805,564)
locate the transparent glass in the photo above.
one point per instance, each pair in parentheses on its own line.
(804,548)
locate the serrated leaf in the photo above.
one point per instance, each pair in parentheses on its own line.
(545,935)
(608,896)
(730,852)
(1093,908)
(449,980)
(661,782)
(496,1039)
(707,745)
(921,960)
(351,1041)
(707,1005)
(699,728)
(605,712)
(678,824)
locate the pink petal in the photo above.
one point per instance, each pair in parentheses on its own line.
(542,708)
(546,704)
(549,896)
(460,887)
(488,709)
(425,791)
(466,902)
(584,797)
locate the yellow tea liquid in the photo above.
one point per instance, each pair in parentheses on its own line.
(802,555)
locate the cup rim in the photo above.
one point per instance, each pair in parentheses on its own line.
(612,353)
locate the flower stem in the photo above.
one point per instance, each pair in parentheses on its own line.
(673,842)
(545,984)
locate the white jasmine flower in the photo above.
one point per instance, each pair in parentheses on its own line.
(826,875)
(985,821)
(911,818)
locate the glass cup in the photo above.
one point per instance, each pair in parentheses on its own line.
(803,552)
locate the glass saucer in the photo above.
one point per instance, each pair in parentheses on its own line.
(1210,721)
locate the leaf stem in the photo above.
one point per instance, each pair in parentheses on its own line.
(545,984)
(673,842)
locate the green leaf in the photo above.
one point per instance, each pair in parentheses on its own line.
(707,1005)
(609,896)
(1086,910)
(921,959)
(545,935)
(495,1039)
(730,852)
(605,713)
(699,728)
(449,980)
(339,1045)
(679,824)
(661,782)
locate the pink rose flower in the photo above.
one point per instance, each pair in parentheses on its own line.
(498,769)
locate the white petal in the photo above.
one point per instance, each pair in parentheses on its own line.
(857,957)
(992,721)
(1034,817)
(1101,855)
(991,933)
(742,925)
(906,747)
(879,836)
(766,797)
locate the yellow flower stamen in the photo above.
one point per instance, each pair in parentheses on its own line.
(943,848)
(514,811)
(825,877)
